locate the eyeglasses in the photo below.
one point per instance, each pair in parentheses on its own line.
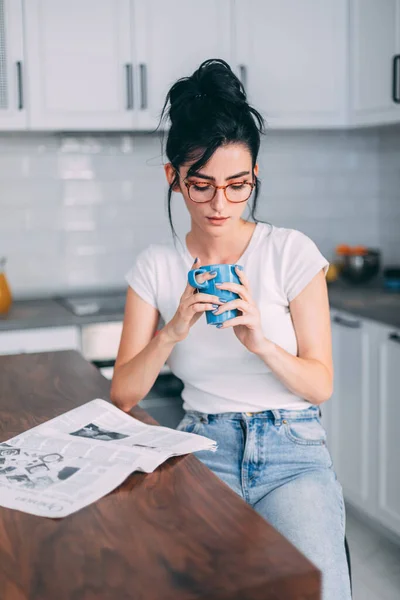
(205,191)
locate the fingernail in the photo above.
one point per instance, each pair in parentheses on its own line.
(215,306)
(213,273)
(214,312)
(196,259)
(223,300)
(219,325)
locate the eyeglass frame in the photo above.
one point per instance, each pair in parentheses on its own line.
(220,187)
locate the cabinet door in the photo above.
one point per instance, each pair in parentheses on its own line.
(374,32)
(171,39)
(327,419)
(351,407)
(80,64)
(46,339)
(97,346)
(12,66)
(327,408)
(292,59)
(389,438)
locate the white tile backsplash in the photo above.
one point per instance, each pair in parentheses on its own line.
(75,209)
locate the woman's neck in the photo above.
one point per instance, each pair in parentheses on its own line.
(225,249)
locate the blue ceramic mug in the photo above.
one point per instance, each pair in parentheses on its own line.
(225,274)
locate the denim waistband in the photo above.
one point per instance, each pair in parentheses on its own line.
(276,415)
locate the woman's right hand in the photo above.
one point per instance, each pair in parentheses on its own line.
(192,305)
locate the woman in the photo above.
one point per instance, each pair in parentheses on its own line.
(254,385)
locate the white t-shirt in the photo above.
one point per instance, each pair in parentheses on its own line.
(218,372)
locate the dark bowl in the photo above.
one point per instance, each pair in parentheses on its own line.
(360,268)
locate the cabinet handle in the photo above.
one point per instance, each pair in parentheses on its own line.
(20,86)
(395,79)
(394,337)
(347,323)
(129,86)
(143,86)
(243,75)
(101,364)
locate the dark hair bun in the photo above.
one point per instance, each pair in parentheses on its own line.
(212,84)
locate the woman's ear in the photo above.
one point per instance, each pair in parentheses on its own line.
(256,169)
(170,174)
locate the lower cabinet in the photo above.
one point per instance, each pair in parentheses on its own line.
(362,417)
(351,407)
(389,429)
(44,339)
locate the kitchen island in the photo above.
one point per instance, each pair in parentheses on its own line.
(176,533)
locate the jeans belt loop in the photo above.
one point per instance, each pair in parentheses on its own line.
(277,416)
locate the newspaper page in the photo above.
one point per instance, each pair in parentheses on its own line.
(64,464)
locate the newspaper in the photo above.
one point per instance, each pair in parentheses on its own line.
(64,464)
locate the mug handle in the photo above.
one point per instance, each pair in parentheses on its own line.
(238,266)
(192,278)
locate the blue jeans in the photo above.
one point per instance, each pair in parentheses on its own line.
(278,462)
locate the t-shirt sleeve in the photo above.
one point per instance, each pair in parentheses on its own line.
(302,261)
(142,276)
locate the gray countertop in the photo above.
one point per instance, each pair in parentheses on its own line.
(368,301)
(46,312)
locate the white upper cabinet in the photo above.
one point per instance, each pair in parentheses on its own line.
(309,64)
(171,39)
(12,66)
(79,64)
(108,64)
(291,57)
(375,61)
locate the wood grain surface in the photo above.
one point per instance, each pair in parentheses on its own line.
(177,533)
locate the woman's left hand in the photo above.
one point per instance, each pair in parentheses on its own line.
(247,326)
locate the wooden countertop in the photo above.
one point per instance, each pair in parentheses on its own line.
(178,533)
